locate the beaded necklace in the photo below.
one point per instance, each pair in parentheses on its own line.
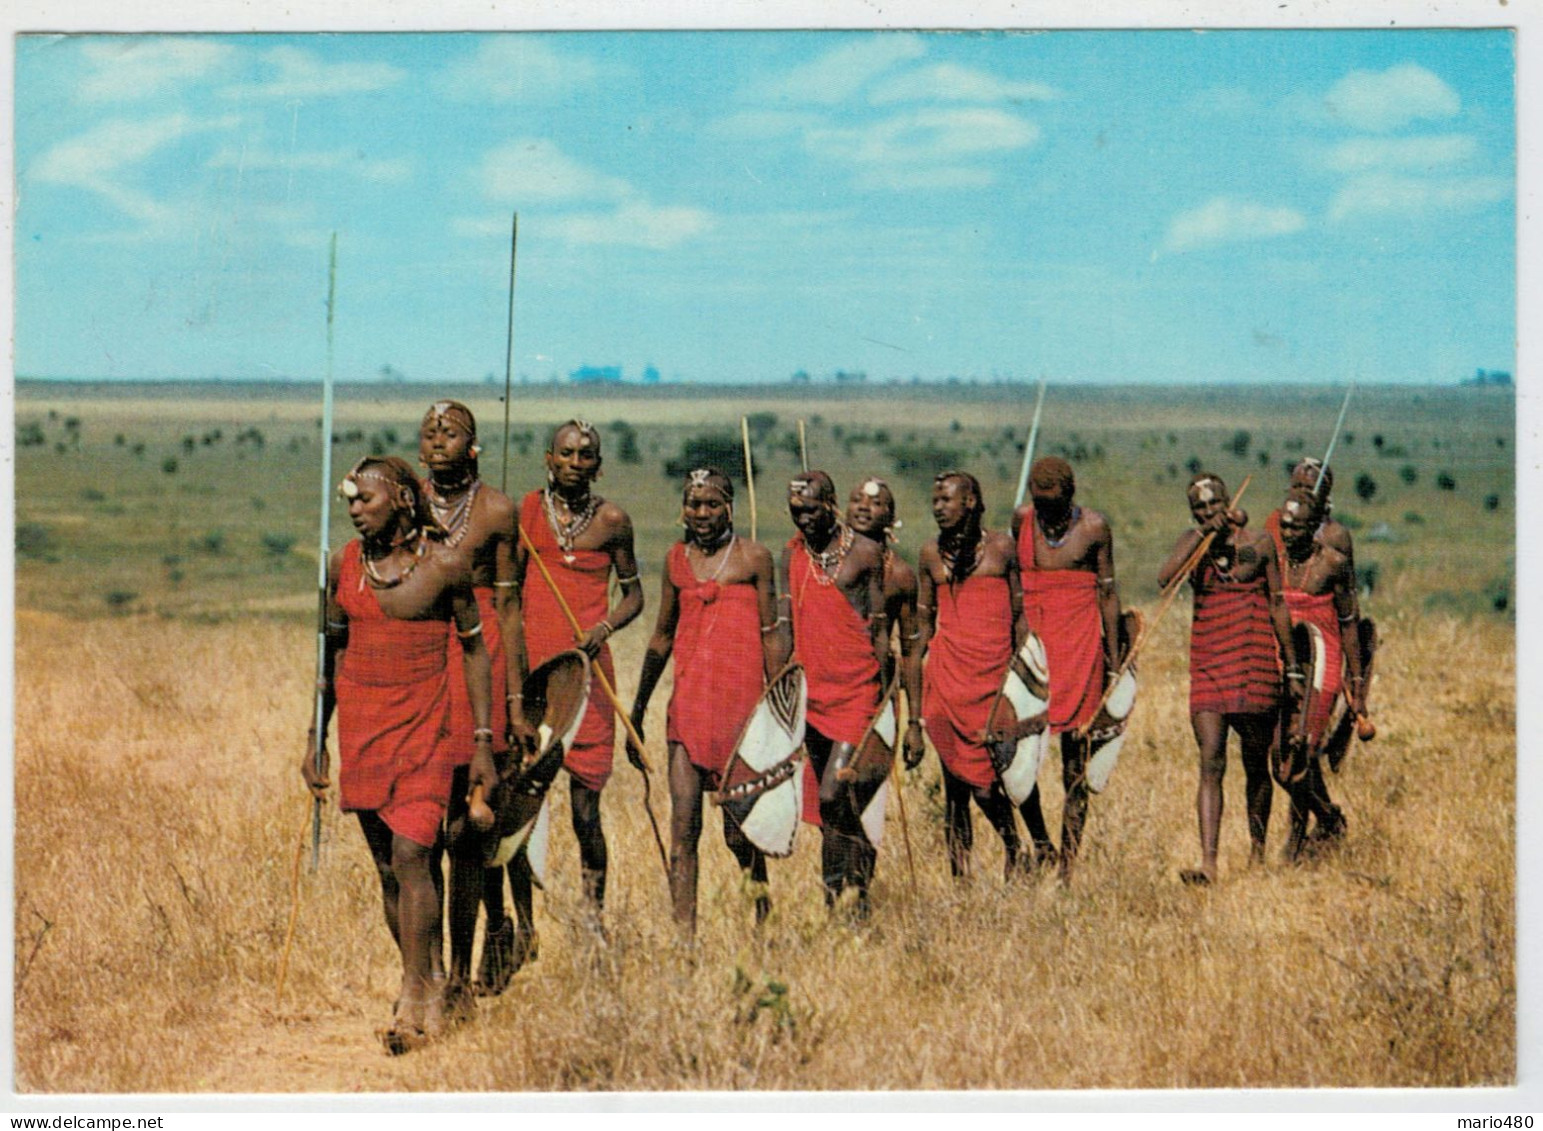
(452,516)
(1071,521)
(567,531)
(378,581)
(832,557)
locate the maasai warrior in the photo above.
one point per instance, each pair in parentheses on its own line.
(970,618)
(833,584)
(717,601)
(479,522)
(871,514)
(1334,534)
(1319,585)
(1066,563)
(394,596)
(582,539)
(1239,634)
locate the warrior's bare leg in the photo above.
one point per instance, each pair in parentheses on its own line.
(841,855)
(378,836)
(411,907)
(1034,818)
(1256,734)
(752,861)
(593,858)
(465,893)
(685,835)
(1331,818)
(958,829)
(1211,737)
(1074,810)
(999,812)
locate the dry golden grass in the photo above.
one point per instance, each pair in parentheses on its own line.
(158,808)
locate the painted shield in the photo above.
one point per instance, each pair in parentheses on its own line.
(1106,734)
(763,784)
(1021,717)
(1337,744)
(555,695)
(1291,753)
(867,774)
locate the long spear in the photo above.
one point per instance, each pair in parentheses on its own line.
(1028,450)
(514,239)
(1323,468)
(319,719)
(1168,594)
(605,685)
(744,433)
(803,445)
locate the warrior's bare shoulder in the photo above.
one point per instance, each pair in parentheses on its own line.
(1002,542)
(496,507)
(615,522)
(1336,536)
(1097,526)
(866,555)
(1254,542)
(758,557)
(901,578)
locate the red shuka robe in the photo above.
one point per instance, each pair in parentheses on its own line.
(966,663)
(1061,606)
(1319,610)
(585,586)
(834,645)
(461,722)
(718,665)
(393,707)
(1234,661)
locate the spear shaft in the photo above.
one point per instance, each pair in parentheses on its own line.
(1334,439)
(319,718)
(514,240)
(1028,450)
(744,433)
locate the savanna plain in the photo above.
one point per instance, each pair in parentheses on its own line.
(164,659)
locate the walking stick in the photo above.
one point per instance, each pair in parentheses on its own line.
(514,239)
(605,685)
(905,826)
(1167,596)
(744,432)
(319,718)
(1028,450)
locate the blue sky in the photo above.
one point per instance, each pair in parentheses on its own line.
(1152,206)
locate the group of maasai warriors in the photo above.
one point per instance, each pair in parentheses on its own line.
(435,621)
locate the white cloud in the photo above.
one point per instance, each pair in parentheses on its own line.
(126,68)
(762,125)
(388,170)
(1222,102)
(102,160)
(1226,220)
(841,72)
(1379,101)
(948,82)
(509,67)
(1387,154)
(301,74)
(634,224)
(1389,194)
(934,147)
(534,170)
